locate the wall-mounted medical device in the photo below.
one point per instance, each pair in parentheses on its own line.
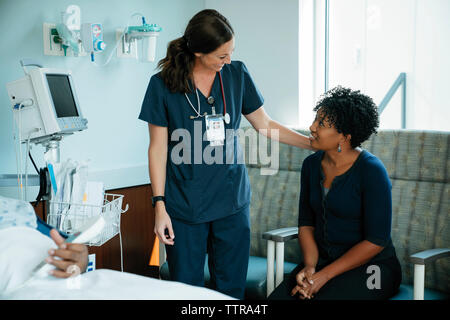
(147,34)
(66,34)
(68,39)
(45,103)
(73,38)
(92,38)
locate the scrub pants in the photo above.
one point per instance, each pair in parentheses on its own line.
(227,242)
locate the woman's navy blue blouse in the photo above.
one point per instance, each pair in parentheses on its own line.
(198,190)
(357,207)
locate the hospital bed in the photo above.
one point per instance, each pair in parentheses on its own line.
(22,248)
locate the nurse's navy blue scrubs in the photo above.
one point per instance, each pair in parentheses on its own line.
(208,203)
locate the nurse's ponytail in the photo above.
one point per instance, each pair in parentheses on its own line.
(177,66)
(206,32)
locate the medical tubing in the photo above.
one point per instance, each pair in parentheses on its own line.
(19,160)
(121,249)
(19,176)
(34,163)
(26,159)
(26,165)
(111,53)
(16,153)
(117,42)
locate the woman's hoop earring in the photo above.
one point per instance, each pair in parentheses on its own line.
(339,148)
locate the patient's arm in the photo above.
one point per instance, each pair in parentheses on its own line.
(70,254)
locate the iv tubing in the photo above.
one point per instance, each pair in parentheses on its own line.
(118,40)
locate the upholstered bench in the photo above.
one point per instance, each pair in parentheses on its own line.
(418,163)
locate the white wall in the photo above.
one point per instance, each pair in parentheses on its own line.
(266,35)
(431,69)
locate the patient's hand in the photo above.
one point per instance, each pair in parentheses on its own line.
(70,254)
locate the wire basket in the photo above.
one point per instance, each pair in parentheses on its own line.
(70,217)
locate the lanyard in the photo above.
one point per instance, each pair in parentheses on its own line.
(197,111)
(223,95)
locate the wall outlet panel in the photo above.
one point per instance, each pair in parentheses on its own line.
(51,48)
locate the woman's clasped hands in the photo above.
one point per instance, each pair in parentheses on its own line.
(309,282)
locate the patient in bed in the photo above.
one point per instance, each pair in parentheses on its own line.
(25,241)
(16,213)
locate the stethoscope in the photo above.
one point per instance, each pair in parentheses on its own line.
(210,101)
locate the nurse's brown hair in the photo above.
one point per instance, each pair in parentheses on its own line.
(205,32)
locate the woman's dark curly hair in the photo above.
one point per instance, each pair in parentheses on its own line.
(350,112)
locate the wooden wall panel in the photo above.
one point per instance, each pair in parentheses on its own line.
(137,235)
(40,209)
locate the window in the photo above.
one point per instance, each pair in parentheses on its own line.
(370,43)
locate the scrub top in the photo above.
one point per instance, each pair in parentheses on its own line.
(203,183)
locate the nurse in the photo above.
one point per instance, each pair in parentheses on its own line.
(202,206)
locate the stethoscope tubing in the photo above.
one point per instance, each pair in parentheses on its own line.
(198,101)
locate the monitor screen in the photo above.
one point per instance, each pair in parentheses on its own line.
(62,95)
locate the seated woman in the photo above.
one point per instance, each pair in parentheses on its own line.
(345,209)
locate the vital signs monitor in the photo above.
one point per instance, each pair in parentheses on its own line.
(45,104)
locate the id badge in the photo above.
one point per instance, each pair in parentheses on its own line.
(215,129)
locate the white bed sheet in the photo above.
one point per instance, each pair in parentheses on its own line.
(23,248)
(104,284)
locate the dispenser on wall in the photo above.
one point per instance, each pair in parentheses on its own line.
(147,34)
(92,38)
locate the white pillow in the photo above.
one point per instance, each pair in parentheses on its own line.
(21,250)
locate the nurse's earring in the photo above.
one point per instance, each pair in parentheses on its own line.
(339,148)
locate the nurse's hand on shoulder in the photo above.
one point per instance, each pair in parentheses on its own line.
(163,222)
